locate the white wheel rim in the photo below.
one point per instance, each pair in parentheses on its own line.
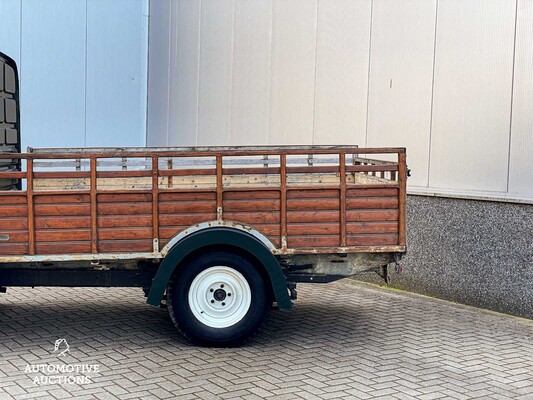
(219,297)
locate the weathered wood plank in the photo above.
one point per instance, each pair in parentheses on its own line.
(251,205)
(372,240)
(60,222)
(372,227)
(62,235)
(112,246)
(370,215)
(13,249)
(125,233)
(13,223)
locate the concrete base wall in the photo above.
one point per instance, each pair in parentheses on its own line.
(472,252)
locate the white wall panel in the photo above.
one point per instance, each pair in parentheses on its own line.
(10,28)
(158,78)
(401,75)
(472,95)
(116,73)
(342,71)
(216,53)
(521,162)
(251,72)
(183,112)
(293,71)
(53,73)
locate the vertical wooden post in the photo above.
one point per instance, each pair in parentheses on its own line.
(31,209)
(342,208)
(94,207)
(219,188)
(402,182)
(283,200)
(155,203)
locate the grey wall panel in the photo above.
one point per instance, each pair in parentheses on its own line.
(521,155)
(251,72)
(183,111)
(158,78)
(342,71)
(216,54)
(472,95)
(292,81)
(116,73)
(52,71)
(10,19)
(401,76)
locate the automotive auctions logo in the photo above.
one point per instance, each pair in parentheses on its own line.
(62,373)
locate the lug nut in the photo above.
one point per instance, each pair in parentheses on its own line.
(222,285)
(211,290)
(212,301)
(223,304)
(229,294)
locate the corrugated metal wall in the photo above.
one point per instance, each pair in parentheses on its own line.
(83,70)
(448,79)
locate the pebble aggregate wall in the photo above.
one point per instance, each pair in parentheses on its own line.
(478,253)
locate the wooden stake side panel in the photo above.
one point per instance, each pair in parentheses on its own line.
(298,206)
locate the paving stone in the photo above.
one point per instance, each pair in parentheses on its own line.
(352,341)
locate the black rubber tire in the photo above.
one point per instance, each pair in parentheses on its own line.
(199,333)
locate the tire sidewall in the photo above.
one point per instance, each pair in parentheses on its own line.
(236,333)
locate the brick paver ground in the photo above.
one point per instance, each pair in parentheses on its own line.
(342,340)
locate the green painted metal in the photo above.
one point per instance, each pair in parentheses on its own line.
(220,236)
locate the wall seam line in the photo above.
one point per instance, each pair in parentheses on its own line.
(512,97)
(316,76)
(369,70)
(432,91)
(198,71)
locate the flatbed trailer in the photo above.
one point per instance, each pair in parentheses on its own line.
(217,234)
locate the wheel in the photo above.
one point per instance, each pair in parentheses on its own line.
(218,299)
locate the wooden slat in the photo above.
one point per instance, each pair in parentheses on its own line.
(61,222)
(63,247)
(372,192)
(313,228)
(251,205)
(185,219)
(125,233)
(313,216)
(62,209)
(313,204)
(13,175)
(124,174)
(62,235)
(342,195)
(14,223)
(187,207)
(94,206)
(372,227)
(313,193)
(250,195)
(187,172)
(372,240)
(253,218)
(15,236)
(124,221)
(13,199)
(220,188)
(124,208)
(155,201)
(283,200)
(13,249)
(61,174)
(372,202)
(112,246)
(313,241)
(371,168)
(187,196)
(402,180)
(14,211)
(312,170)
(124,197)
(251,171)
(371,215)
(30,208)
(41,198)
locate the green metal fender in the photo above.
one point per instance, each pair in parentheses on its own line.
(220,236)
